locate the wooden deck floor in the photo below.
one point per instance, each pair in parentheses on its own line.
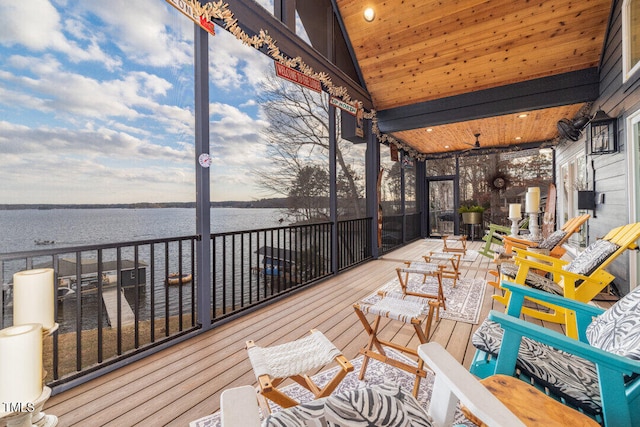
(184,382)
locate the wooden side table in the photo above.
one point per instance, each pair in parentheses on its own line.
(533,407)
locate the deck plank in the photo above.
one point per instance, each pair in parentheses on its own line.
(184,382)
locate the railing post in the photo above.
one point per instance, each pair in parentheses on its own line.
(204,281)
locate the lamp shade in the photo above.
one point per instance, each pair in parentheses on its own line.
(33,297)
(20,364)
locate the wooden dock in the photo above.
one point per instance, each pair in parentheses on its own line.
(110,299)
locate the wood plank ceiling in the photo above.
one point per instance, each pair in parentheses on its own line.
(420,55)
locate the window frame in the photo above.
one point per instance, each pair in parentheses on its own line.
(572,177)
(628,69)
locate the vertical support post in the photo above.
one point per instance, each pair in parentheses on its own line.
(203,197)
(456,197)
(421,195)
(372,160)
(403,208)
(333,189)
(285,11)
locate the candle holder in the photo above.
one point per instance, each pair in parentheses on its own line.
(50,331)
(514,226)
(31,416)
(534,229)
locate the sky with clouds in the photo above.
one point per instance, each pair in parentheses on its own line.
(96,105)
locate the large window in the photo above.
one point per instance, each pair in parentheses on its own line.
(630,38)
(95,110)
(573,178)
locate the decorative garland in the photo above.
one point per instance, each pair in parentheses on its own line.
(219,11)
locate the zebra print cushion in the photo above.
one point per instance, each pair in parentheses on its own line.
(553,240)
(617,330)
(589,259)
(564,374)
(534,280)
(382,405)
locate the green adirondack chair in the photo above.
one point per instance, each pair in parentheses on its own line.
(495,235)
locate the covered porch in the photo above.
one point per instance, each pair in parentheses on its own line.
(183,383)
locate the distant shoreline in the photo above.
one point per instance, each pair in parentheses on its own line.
(262,203)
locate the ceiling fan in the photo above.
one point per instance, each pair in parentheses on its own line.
(474,146)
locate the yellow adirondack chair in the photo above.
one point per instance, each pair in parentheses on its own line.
(554,242)
(581,279)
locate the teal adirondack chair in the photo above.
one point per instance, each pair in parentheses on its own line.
(598,373)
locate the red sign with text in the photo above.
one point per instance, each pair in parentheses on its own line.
(297,77)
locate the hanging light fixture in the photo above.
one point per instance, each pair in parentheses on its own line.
(602,131)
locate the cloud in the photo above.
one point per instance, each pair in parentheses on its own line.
(34,24)
(38,26)
(85,165)
(96,102)
(134,96)
(234,65)
(149,32)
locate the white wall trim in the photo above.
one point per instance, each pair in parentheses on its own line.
(634,169)
(627,70)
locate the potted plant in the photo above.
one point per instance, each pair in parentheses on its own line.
(471,214)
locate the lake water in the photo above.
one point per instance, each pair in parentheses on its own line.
(75,227)
(78,227)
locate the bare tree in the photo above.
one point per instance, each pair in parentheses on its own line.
(297,138)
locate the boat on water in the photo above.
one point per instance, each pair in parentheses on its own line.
(175,279)
(44,242)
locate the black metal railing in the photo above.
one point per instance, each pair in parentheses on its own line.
(392,226)
(254,266)
(399,229)
(413,226)
(354,242)
(113,300)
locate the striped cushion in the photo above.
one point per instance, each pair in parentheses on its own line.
(617,330)
(553,240)
(589,259)
(381,405)
(534,280)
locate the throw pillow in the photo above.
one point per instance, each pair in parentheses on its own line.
(383,405)
(617,330)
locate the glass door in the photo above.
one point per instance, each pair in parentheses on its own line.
(443,217)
